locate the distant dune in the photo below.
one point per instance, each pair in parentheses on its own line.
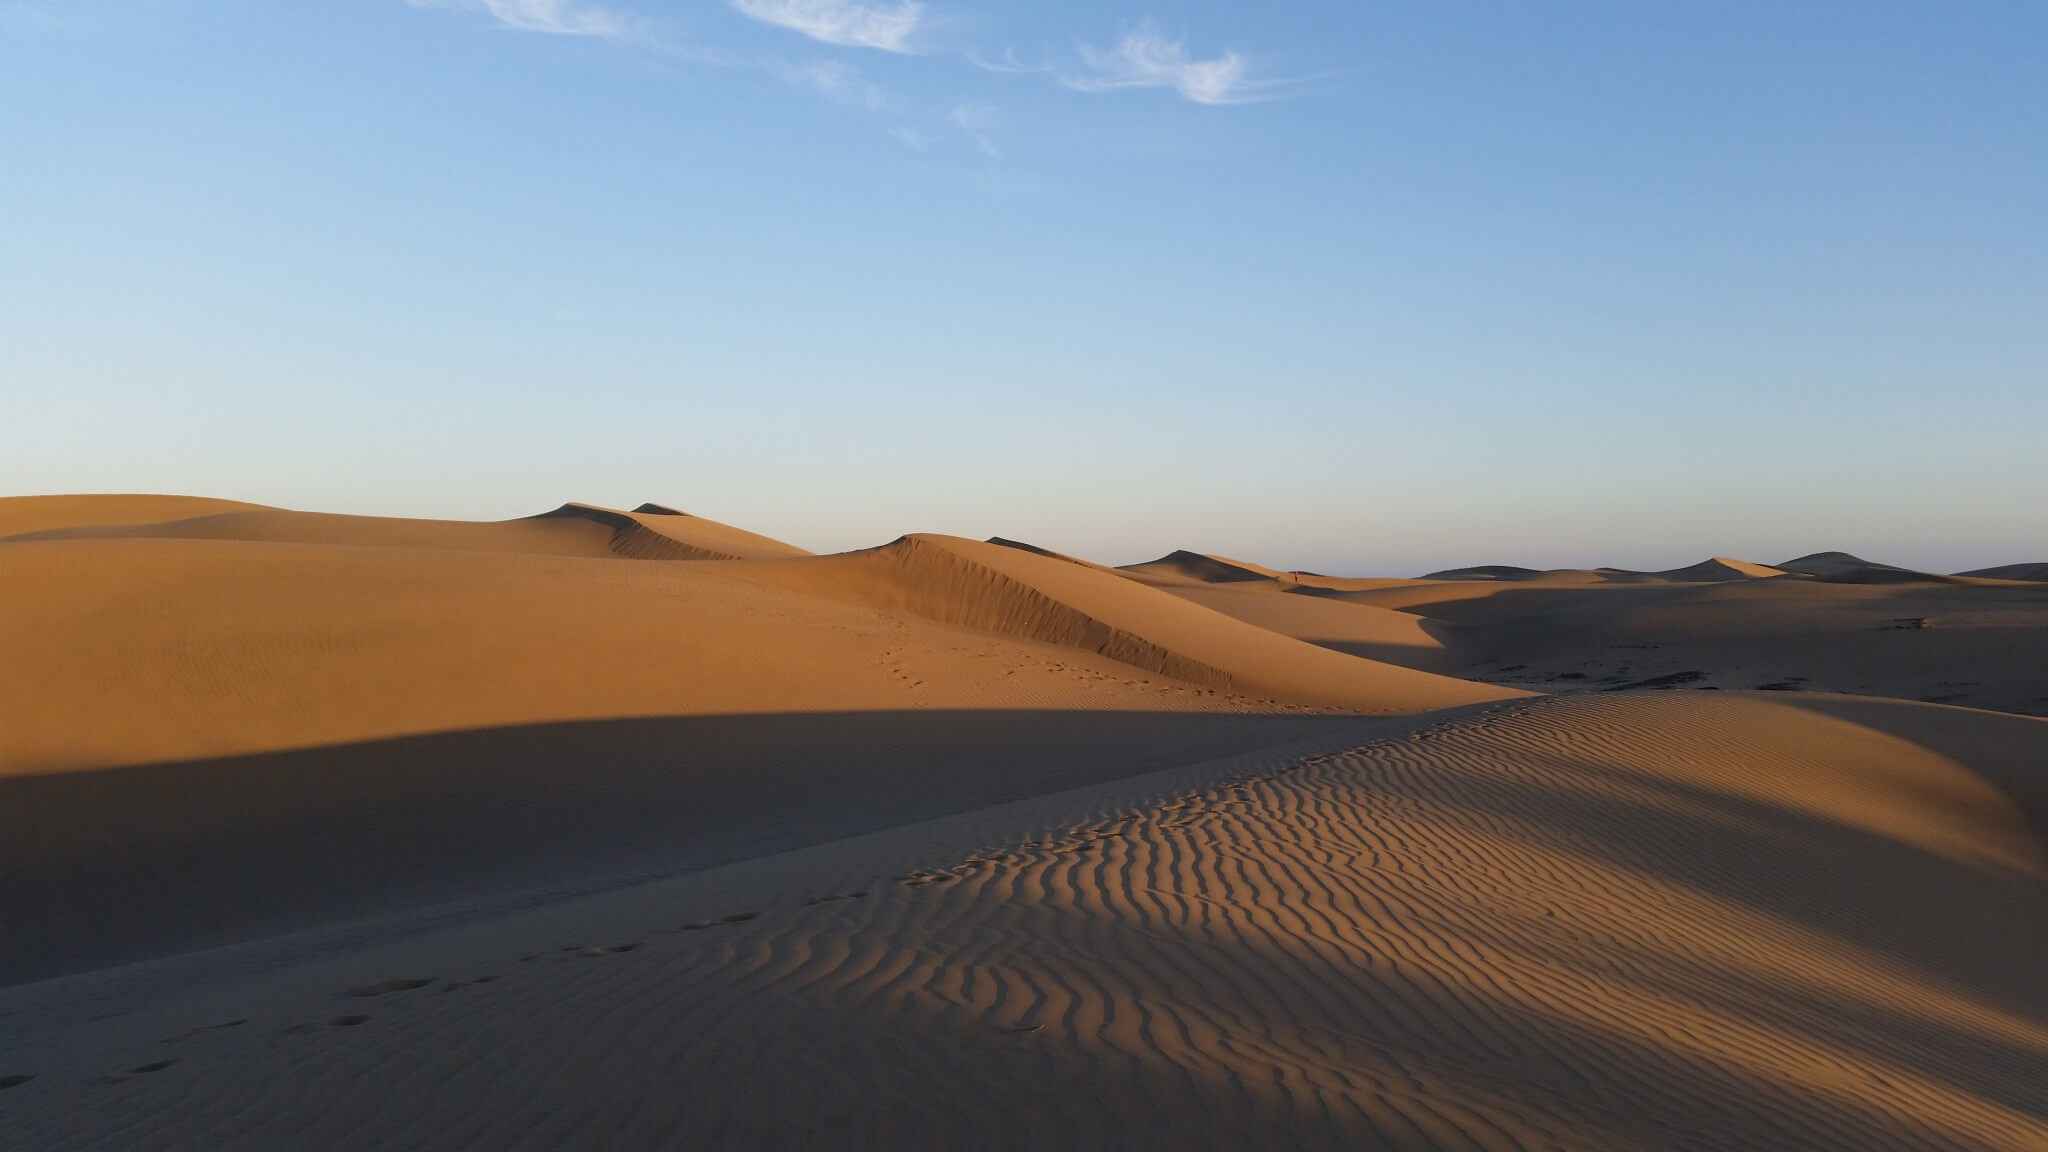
(655,532)
(1720,568)
(2035,572)
(1843,568)
(20,514)
(1020,593)
(1706,571)
(1203,569)
(1486,572)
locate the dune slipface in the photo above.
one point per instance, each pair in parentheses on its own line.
(609,828)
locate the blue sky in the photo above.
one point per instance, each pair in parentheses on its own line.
(1357,287)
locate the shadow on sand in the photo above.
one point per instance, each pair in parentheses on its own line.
(123,864)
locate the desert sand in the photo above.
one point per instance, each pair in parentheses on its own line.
(608,829)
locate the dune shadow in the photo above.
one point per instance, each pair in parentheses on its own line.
(112,866)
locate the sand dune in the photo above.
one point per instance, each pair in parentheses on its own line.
(1980,643)
(1012,592)
(1656,922)
(609,828)
(1037,551)
(1720,568)
(1194,566)
(1487,572)
(1829,564)
(1324,618)
(377,709)
(657,532)
(571,530)
(2033,572)
(1843,568)
(1715,569)
(20,514)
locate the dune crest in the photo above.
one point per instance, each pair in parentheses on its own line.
(2033,573)
(19,514)
(657,532)
(1720,568)
(1713,570)
(1203,568)
(1019,593)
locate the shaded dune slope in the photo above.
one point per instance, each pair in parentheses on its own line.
(657,532)
(1719,568)
(1844,568)
(1196,566)
(1325,618)
(1711,570)
(2030,572)
(1011,592)
(202,853)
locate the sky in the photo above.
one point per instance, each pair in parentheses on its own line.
(1359,287)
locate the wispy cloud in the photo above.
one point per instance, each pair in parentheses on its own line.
(1009,64)
(888,27)
(1148,58)
(838,82)
(554,17)
(976,120)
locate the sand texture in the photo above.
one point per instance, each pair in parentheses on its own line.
(611,829)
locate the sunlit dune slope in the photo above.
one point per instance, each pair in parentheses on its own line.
(571,530)
(1013,592)
(258,630)
(132,651)
(39,513)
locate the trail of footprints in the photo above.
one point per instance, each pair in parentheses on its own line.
(1184,811)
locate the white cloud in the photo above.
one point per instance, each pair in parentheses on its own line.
(850,22)
(554,17)
(1147,58)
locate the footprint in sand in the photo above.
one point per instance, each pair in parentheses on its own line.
(364,991)
(735,918)
(138,1070)
(203,1028)
(607,949)
(452,985)
(348,1021)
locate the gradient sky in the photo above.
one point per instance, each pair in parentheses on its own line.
(1357,287)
